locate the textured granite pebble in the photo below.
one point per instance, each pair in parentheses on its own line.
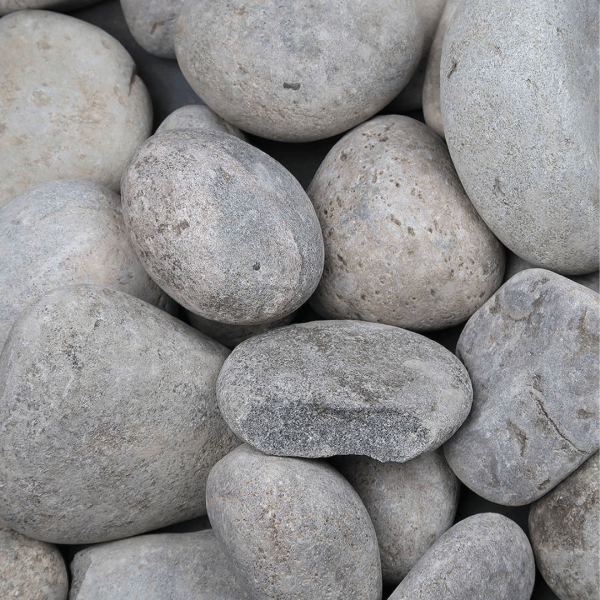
(223,228)
(521,122)
(411,505)
(8,6)
(485,556)
(31,570)
(403,244)
(564,530)
(198,116)
(343,387)
(66,232)
(110,423)
(71,104)
(532,355)
(176,566)
(293,528)
(298,71)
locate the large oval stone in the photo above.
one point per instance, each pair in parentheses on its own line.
(110,418)
(343,387)
(222,227)
(521,122)
(293,528)
(532,355)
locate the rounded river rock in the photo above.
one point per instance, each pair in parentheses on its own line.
(198,116)
(532,355)
(67,232)
(8,6)
(110,422)
(293,528)
(403,244)
(485,556)
(31,570)
(223,228)
(298,71)
(71,104)
(521,122)
(564,529)
(343,387)
(176,566)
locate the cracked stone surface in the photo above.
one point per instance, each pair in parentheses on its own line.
(71,103)
(564,530)
(532,354)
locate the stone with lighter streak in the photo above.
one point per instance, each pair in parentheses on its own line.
(532,355)
(343,387)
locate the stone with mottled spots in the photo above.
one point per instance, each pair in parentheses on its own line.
(198,116)
(343,387)
(532,355)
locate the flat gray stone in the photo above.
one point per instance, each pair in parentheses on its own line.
(293,528)
(198,116)
(30,569)
(66,232)
(485,556)
(153,24)
(524,148)
(110,422)
(532,355)
(403,244)
(321,69)
(71,104)
(343,387)
(223,228)
(563,528)
(411,505)
(8,6)
(176,566)
(432,109)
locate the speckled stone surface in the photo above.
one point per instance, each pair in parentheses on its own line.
(153,24)
(176,566)
(521,122)
(31,570)
(8,6)
(232,335)
(110,423)
(198,116)
(298,71)
(343,387)
(403,244)
(66,232)
(411,504)
(485,556)
(432,109)
(564,529)
(293,528)
(71,104)
(223,228)
(532,355)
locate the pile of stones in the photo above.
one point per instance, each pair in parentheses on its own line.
(187,331)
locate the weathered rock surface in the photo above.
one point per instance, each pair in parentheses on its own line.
(484,556)
(153,24)
(411,505)
(322,69)
(232,335)
(8,6)
(403,244)
(432,109)
(532,355)
(177,566)
(110,423)
(293,528)
(343,387)
(563,527)
(71,104)
(66,232)
(198,116)
(521,122)
(237,241)
(30,569)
